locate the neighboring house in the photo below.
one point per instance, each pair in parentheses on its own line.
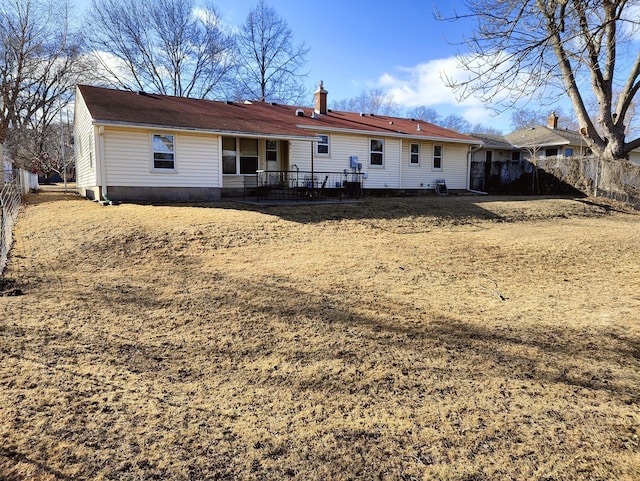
(140,146)
(549,141)
(504,159)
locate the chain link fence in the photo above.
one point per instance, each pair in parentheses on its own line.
(10,200)
(615,179)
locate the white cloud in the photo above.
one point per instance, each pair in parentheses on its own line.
(425,84)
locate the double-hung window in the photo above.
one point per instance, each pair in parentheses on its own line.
(272,150)
(322,146)
(376,152)
(437,157)
(239,155)
(164,157)
(414,155)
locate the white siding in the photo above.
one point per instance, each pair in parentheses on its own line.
(397,173)
(423,176)
(341,148)
(129,163)
(84,145)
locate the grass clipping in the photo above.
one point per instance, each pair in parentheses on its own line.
(457,338)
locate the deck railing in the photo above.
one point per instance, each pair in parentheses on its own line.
(305,185)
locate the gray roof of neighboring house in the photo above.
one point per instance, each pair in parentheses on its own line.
(493,141)
(541,136)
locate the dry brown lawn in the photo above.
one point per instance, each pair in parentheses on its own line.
(449,338)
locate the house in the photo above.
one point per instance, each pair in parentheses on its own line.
(142,146)
(549,140)
(501,160)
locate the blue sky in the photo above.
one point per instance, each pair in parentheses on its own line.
(357,45)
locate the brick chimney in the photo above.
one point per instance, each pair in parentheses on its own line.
(320,96)
(552,121)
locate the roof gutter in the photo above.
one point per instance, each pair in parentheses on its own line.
(257,135)
(402,135)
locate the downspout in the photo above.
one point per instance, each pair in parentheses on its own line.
(100,160)
(400,179)
(312,179)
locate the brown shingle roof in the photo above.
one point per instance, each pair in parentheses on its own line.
(125,107)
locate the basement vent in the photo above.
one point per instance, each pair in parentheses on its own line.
(299,113)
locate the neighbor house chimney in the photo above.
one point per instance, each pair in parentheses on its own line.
(552,121)
(320,96)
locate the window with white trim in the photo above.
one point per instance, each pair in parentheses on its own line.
(414,155)
(322,146)
(437,157)
(229,155)
(239,155)
(163,152)
(272,150)
(376,152)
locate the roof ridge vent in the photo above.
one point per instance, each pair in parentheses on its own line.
(362,114)
(299,113)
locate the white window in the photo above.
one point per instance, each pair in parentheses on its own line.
(376,152)
(163,152)
(414,154)
(322,146)
(229,155)
(239,155)
(437,157)
(272,150)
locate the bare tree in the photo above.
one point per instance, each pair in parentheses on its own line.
(428,114)
(269,67)
(525,118)
(527,48)
(163,46)
(40,63)
(373,101)
(455,122)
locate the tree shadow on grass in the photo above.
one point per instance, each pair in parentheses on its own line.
(13,456)
(553,355)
